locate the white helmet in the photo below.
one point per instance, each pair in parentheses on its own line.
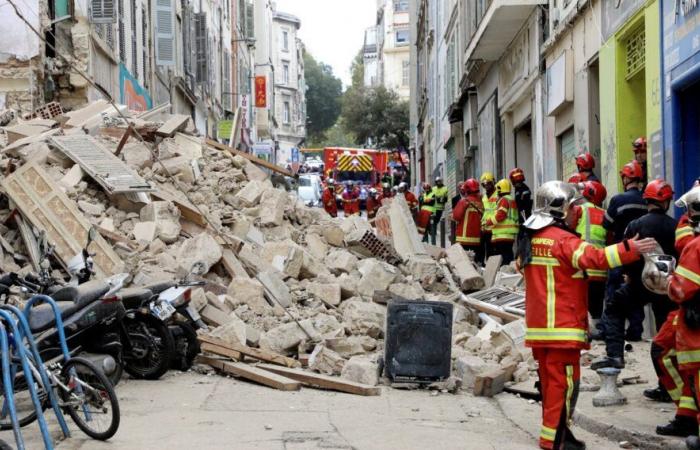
(691,202)
(553,201)
(657,268)
(330,181)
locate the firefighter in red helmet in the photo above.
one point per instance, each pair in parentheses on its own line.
(522,194)
(639,146)
(585,163)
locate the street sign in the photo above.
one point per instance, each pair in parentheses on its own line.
(260,92)
(224,129)
(295,159)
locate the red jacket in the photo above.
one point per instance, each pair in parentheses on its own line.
(351,203)
(684,285)
(467,214)
(684,233)
(373,205)
(556,294)
(411,200)
(329,203)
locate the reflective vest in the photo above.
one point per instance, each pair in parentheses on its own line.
(428,202)
(506,220)
(684,234)
(440,194)
(590,228)
(489,210)
(683,286)
(556,301)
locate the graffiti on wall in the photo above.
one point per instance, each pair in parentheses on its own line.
(131,93)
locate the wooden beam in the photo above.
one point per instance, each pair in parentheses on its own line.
(324,381)
(172,125)
(221,351)
(116,237)
(258,354)
(252,373)
(489,309)
(252,158)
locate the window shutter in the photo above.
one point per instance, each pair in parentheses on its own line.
(102,11)
(165,33)
(200,41)
(250,21)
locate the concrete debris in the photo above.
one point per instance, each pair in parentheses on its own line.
(326,361)
(361,369)
(166,216)
(362,317)
(376,276)
(201,248)
(469,278)
(327,293)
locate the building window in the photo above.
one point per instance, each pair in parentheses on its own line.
(286,117)
(400,6)
(405,73)
(567,152)
(402,37)
(285,74)
(285,41)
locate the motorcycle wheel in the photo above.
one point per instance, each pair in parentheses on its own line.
(186,346)
(92,402)
(151,347)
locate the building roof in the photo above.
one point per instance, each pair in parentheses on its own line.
(286,17)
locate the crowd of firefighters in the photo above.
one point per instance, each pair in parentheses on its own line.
(580,260)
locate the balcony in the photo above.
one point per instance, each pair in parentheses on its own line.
(500,23)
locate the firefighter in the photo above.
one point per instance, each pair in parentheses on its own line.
(585,163)
(523,195)
(639,146)
(623,209)
(410,197)
(329,197)
(684,288)
(467,215)
(630,298)
(589,226)
(556,302)
(441,194)
(350,200)
(427,209)
(684,232)
(489,200)
(373,203)
(504,223)
(387,179)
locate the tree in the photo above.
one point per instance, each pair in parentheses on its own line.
(323,95)
(336,136)
(376,115)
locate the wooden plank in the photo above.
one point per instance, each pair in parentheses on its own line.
(221,351)
(116,237)
(232,265)
(188,210)
(489,309)
(172,125)
(254,159)
(46,207)
(493,264)
(251,373)
(30,242)
(258,354)
(122,141)
(213,361)
(324,381)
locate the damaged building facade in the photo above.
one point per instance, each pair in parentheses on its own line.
(197,57)
(500,84)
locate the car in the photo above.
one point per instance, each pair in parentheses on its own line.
(309,189)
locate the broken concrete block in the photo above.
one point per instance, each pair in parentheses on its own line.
(326,361)
(232,332)
(251,193)
(214,317)
(473,344)
(93,209)
(167,218)
(73,176)
(287,337)
(463,268)
(252,336)
(364,317)
(202,247)
(292,256)
(253,172)
(312,267)
(410,291)
(348,285)
(361,369)
(376,276)
(180,165)
(199,299)
(316,246)
(156,246)
(275,289)
(334,234)
(327,293)
(468,367)
(108,224)
(136,155)
(341,261)
(145,232)
(218,303)
(348,346)
(424,269)
(490,383)
(272,204)
(249,292)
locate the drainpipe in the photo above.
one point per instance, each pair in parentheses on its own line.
(663,93)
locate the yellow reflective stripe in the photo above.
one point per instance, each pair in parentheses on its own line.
(578,275)
(578,253)
(470,240)
(551,298)
(569,391)
(544,261)
(688,357)
(547,433)
(613,256)
(675,393)
(555,334)
(688,274)
(683,232)
(687,403)
(597,273)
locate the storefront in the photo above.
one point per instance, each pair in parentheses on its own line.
(681,90)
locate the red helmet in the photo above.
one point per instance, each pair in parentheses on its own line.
(658,190)
(640,145)
(575,179)
(426,186)
(632,170)
(471,186)
(585,161)
(516,175)
(594,192)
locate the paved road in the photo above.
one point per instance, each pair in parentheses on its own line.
(193,411)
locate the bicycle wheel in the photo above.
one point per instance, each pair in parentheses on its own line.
(91,401)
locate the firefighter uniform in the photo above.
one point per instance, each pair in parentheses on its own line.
(373,205)
(523,198)
(467,215)
(589,227)
(505,228)
(684,233)
(556,317)
(490,203)
(328,199)
(351,202)
(425,216)
(411,200)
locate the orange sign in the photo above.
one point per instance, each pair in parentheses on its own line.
(260,92)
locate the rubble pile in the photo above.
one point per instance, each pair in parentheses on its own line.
(282,279)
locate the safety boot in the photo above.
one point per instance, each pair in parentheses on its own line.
(608,361)
(571,443)
(692,443)
(658,394)
(680,426)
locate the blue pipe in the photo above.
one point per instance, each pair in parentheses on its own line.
(39,363)
(48,443)
(7,378)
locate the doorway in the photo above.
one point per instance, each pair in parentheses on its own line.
(523,149)
(687,136)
